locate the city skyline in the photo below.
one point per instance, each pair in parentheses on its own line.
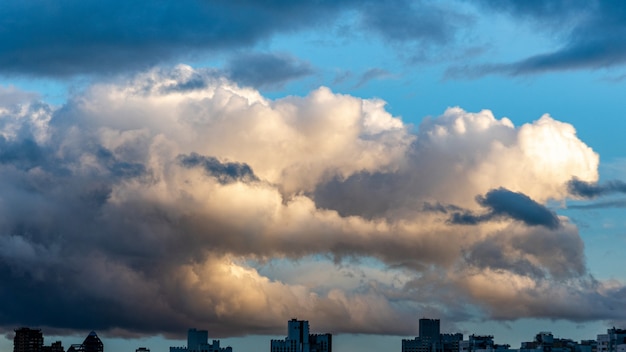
(230,165)
(430,338)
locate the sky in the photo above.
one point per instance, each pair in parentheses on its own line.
(228,165)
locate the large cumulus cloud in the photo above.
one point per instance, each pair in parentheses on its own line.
(153,204)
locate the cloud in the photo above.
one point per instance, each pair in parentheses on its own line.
(540,11)
(406,21)
(589,35)
(459,155)
(576,300)
(149,202)
(11,95)
(520,207)
(516,249)
(593,189)
(261,70)
(224,172)
(502,202)
(619,203)
(371,74)
(78,37)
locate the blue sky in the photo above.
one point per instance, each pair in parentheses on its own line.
(230,165)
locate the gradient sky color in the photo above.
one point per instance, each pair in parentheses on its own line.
(230,165)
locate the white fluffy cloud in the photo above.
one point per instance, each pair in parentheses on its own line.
(479,152)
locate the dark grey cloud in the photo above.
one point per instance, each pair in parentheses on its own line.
(515,250)
(440,208)
(264,70)
(540,11)
(593,35)
(224,172)
(491,254)
(411,21)
(384,197)
(468,218)
(592,189)
(24,154)
(504,203)
(519,207)
(78,37)
(82,37)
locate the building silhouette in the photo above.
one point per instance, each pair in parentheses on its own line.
(92,343)
(429,329)
(478,343)
(299,340)
(430,339)
(54,347)
(198,341)
(27,340)
(31,340)
(613,341)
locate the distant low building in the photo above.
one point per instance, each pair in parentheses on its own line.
(587,346)
(430,339)
(299,340)
(546,342)
(477,343)
(54,347)
(198,341)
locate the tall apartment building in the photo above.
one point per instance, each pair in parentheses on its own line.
(27,340)
(299,340)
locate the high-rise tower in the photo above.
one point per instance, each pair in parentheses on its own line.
(27,340)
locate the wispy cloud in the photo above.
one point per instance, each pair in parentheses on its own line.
(617,203)
(372,74)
